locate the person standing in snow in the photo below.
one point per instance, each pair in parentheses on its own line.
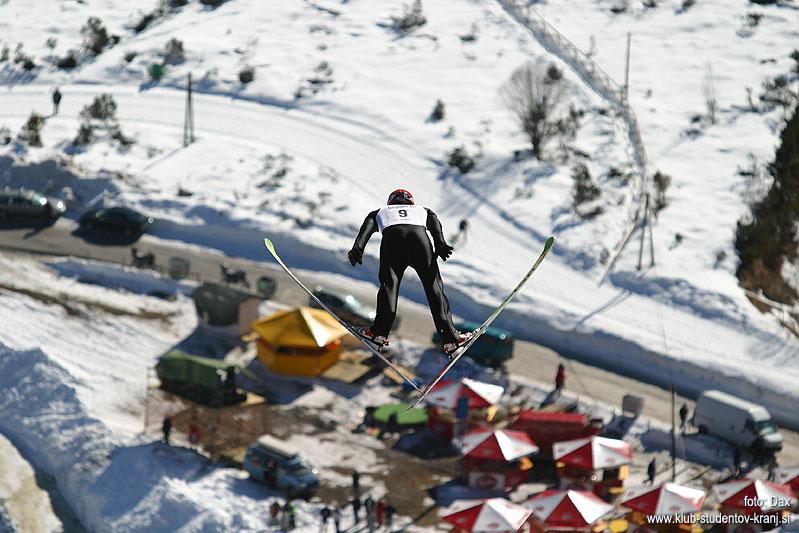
(390,511)
(404,226)
(325,513)
(380,512)
(560,377)
(356,508)
(274,510)
(56,100)
(683,417)
(166,428)
(651,471)
(194,435)
(337,519)
(356,484)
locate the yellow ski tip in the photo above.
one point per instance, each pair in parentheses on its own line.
(269,246)
(549,243)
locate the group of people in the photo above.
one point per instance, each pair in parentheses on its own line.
(377,513)
(283,516)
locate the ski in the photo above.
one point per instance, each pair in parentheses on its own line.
(456,355)
(372,347)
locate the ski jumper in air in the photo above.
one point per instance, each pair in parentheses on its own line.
(405,243)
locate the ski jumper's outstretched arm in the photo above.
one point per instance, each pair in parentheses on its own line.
(368,227)
(443,250)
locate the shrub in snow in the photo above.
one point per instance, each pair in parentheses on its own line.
(584,189)
(95,36)
(795,56)
(459,158)
(129,56)
(121,138)
(100,113)
(247,74)
(439,112)
(5,135)
(31,130)
(777,92)
(5,53)
(51,43)
(554,73)
(103,107)
(768,237)
(212,3)
(710,93)
(662,183)
(412,18)
(538,101)
(68,62)
(471,36)
(173,52)
(687,4)
(85,134)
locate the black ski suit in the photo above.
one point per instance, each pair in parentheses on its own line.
(407,245)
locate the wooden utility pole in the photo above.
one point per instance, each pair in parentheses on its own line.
(673,435)
(627,68)
(188,120)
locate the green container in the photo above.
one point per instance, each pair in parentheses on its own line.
(177,366)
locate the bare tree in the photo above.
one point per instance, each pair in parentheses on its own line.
(536,96)
(710,92)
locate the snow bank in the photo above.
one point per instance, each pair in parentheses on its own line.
(174,489)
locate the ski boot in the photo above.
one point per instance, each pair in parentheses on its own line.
(450,347)
(366,333)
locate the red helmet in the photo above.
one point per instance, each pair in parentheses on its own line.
(400,196)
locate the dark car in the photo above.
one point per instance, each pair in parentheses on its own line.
(116,220)
(23,203)
(347,307)
(492,348)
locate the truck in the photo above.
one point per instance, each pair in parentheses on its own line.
(273,462)
(199,379)
(737,421)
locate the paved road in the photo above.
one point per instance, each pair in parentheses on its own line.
(530,360)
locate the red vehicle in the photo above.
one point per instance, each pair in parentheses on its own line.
(546,428)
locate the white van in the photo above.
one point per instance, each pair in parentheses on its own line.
(273,462)
(737,421)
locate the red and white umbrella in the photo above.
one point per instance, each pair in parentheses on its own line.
(788,476)
(568,508)
(499,444)
(447,393)
(754,495)
(667,499)
(494,514)
(593,453)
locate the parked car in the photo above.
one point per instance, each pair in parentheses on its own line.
(117,220)
(494,347)
(273,462)
(23,203)
(348,307)
(737,421)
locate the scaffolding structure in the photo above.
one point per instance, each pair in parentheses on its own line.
(221,429)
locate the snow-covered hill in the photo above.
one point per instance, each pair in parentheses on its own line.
(366,132)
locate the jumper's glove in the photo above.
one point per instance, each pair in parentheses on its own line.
(355,256)
(444,250)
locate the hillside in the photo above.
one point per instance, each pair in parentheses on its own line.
(307,169)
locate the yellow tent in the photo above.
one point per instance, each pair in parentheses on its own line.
(301,342)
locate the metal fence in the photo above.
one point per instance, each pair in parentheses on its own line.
(557,44)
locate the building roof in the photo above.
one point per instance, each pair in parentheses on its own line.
(302,327)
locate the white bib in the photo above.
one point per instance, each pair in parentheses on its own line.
(391,215)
